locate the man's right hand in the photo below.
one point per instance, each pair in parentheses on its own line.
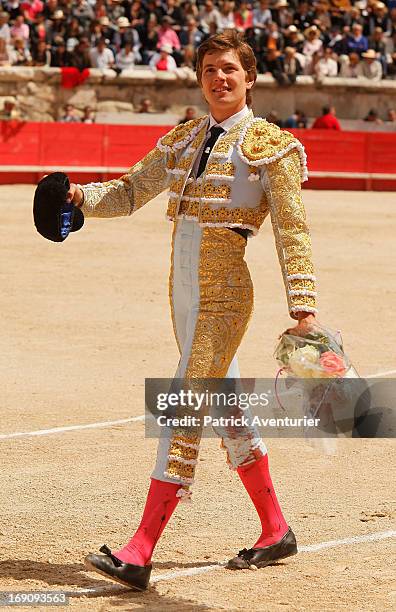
(75,195)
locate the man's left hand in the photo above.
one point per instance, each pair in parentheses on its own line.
(306,322)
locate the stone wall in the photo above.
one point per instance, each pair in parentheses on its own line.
(40,96)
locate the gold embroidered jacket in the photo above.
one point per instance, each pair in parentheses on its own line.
(255,169)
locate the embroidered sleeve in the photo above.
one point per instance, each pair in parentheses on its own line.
(282,180)
(125,195)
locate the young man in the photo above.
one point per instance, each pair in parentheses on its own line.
(226,172)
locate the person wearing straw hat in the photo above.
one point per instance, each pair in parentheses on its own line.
(369,66)
(226,171)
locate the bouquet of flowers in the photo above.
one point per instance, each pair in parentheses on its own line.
(319,354)
(318,364)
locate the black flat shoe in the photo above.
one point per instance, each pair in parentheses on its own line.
(135,577)
(260,557)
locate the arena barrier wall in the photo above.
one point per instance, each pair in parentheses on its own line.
(336,160)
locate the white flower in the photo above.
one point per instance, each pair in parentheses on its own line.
(304,362)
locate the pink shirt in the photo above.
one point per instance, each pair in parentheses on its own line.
(168,37)
(21,31)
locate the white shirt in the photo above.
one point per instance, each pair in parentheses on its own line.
(227,124)
(102,60)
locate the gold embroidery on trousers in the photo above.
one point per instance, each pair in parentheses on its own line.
(226,303)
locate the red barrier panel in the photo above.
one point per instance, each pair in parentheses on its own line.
(336,160)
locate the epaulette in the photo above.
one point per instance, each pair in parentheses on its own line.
(181,135)
(264,143)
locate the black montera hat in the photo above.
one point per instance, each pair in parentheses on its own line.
(54,217)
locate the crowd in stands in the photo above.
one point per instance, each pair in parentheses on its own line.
(321,38)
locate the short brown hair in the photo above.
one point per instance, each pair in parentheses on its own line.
(230,39)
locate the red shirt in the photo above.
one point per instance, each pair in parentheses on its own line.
(327,122)
(32,8)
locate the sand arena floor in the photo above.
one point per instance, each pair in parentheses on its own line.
(84,322)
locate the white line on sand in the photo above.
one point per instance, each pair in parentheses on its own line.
(381,374)
(194,571)
(56,430)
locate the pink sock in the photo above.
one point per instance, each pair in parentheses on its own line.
(257,482)
(160,504)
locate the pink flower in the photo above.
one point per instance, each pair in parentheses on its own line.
(332,363)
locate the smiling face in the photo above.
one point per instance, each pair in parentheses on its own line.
(224,83)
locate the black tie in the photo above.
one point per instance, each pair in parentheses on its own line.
(215,132)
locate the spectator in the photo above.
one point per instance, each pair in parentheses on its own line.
(391,115)
(69,115)
(167,35)
(30,9)
(226,20)
(50,6)
(262,15)
(125,58)
(357,42)
(41,55)
(107,30)
(189,9)
(20,29)
(58,25)
(341,46)
(191,35)
(188,60)
(376,42)
(349,65)
(243,16)
(146,106)
(293,38)
(39,31)
(282,15)
(127,34)
(379,18)
(12,8)
(322,16)
(5,31)
(175,13)
(272,38)
(209,14)
(149,39)
(372,117)
(274,65)
(82,11)
(312,43)
(189,115)
(327,65)
(291,63)
(101,56)
(81,57)
(297,120)
(369,67)
(73,33)
(328,120)
(312,66)
(353,16)
(163,60)
(19,54)
(59,56)
(10,110)
(303,17)
(88,115)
